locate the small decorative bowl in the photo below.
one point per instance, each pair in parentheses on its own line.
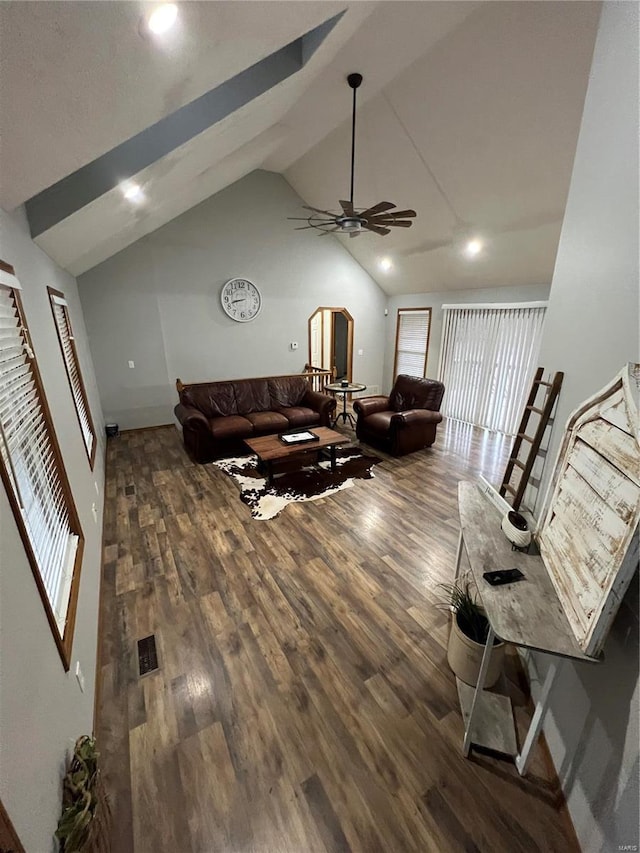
(516,529)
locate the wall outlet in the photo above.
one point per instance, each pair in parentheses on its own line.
(360,352)
(79,676)
(293,345)
(131,365)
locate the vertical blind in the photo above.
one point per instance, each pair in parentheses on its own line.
(70,356)
(412,341)
(30,459)
(488,356)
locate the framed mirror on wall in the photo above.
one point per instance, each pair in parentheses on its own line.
(331,341)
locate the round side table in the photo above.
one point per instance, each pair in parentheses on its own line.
(339,388)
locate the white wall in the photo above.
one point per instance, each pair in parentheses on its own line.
(435,301)
(591,331)
(158,301)
(42,710)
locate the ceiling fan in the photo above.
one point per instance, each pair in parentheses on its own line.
(353,221)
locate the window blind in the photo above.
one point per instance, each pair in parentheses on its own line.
(69,354)
(488,357)
(31,466)
(412,341)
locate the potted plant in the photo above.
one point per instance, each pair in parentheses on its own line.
(469,629)
(85,823)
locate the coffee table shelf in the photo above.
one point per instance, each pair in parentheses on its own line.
(270,449)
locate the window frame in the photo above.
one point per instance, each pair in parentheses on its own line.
(400,311)
(91,454)
(64,640)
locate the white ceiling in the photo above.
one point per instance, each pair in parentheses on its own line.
(490,95)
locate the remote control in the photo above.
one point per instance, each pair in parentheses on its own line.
(503,576)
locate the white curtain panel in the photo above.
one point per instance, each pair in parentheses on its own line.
(488,356)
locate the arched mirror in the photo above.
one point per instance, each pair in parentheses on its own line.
(331,341)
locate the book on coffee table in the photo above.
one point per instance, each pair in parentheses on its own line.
(299,437)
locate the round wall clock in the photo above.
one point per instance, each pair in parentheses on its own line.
(241,300)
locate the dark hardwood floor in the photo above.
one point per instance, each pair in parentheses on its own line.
(303,700)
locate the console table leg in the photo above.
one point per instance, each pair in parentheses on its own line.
(522,760)
(484,666)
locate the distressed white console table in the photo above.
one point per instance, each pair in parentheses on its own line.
(527,613)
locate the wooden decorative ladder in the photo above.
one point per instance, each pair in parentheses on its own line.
(543,410)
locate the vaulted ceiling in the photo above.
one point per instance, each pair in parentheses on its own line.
(469,113)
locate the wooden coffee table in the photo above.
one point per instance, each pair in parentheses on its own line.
(269,449)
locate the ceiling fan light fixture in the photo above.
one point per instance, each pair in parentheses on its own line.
(350,224)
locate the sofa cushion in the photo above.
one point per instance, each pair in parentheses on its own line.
(285,391)
(232,426)
(252,395)
(299,416)
(267,421)
(213,399)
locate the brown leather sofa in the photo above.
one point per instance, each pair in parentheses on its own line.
(404,421)
(216,417)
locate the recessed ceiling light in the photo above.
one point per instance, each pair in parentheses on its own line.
(132,192)
(386,264)
(162,18)
(473,247)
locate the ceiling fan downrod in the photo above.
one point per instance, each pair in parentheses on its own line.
(354,81)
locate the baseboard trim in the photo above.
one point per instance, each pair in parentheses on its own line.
(146,428)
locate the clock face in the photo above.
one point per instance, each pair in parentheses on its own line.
(241,300)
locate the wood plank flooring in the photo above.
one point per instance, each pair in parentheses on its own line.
(303,700)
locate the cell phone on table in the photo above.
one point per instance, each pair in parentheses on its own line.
(502,576)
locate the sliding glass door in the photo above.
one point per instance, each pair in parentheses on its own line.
(488,357)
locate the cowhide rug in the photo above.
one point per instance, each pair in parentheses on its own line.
(298,484)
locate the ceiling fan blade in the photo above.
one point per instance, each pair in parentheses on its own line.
(303,227)
(401,214)
(377,229)
(325,231)
(377,208)
(318,210)
(401,223)
(347,207)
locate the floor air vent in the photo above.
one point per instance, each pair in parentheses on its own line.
(147,655)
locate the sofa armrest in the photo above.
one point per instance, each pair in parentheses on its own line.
(191,417)
(321,403)
(415,416)
(365,406)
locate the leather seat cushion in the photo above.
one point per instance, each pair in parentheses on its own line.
(268,421)
(233,426)
(298,416)
(379,422)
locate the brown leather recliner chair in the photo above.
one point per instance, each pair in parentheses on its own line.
(404,421)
